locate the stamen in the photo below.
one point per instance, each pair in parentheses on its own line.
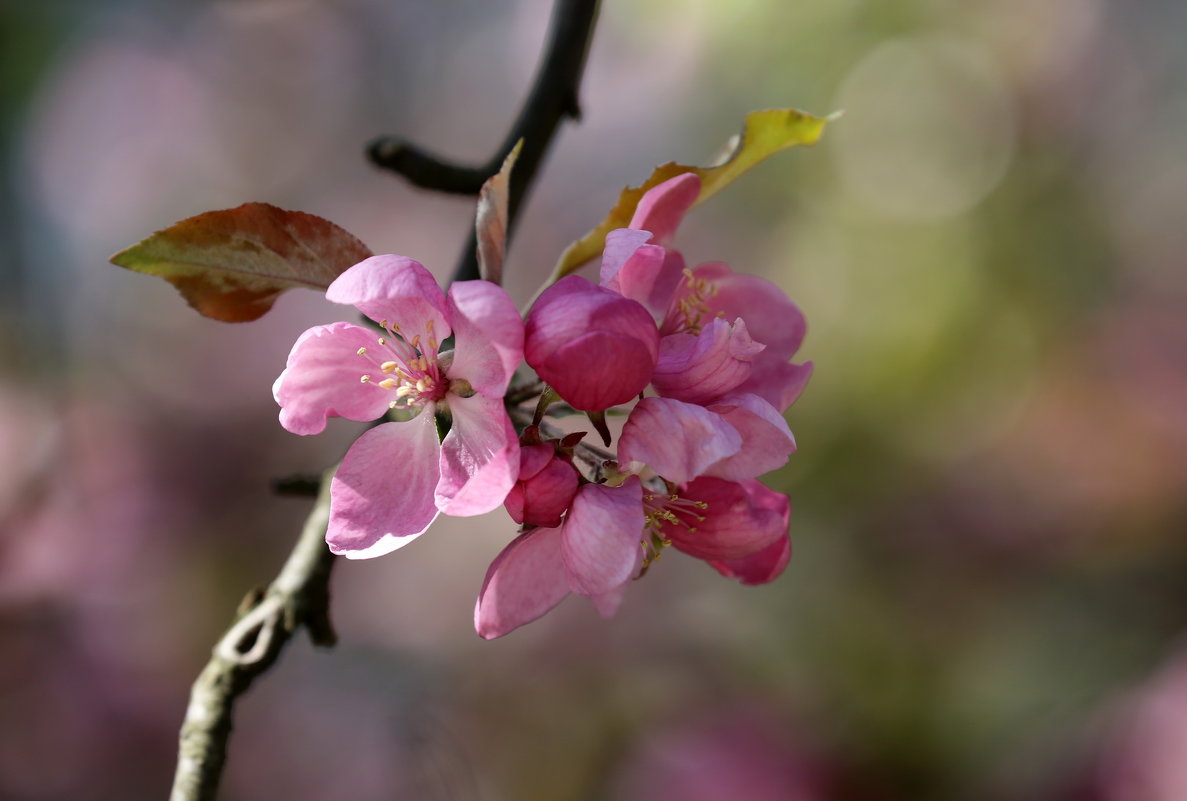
(364,379)
(388,383)
(388,367)
(382,340)
(361,351)
(404,391)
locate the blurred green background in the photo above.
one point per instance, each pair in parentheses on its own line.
(989,588)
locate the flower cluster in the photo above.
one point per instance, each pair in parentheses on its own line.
(699,359)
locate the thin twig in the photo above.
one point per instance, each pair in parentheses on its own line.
(553,98)
(299,596)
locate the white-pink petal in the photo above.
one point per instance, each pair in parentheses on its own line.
(323,379)
(677,440)
(398,290)
(488,336)
(602,534)
(525,581)
(381,498)
(479,457)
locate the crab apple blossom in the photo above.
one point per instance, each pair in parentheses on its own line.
(594,552)
(398,476)
(593,346)
(738,527)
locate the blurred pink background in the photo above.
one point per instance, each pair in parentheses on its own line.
(989,501)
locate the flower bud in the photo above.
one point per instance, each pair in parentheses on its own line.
(546,486)
(596,348)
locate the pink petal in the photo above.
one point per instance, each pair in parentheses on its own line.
(398,290)
(649,274)
(770,315)
(677,440)
(664,206)
(700,368)
(739,519)
(607,603)
(766,440)
(488,336)
(598,370)
(602,533)
(776,380)
(524,582)
(621,244)
(381,498)
(760,568)
(542,494)
(479,457)
(534,458)
(322,379)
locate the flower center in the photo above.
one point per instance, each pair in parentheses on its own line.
(660,511)
(408,366)
(687,315)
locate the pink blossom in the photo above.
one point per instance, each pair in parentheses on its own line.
(710,299)
(397,477)
(594,552)
(740,528)
(596,348)
(544,489)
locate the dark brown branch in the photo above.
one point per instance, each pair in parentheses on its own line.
(423,169)
(553,98)
(299,596)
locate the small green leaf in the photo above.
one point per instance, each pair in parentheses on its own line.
(764,134)
(231,265)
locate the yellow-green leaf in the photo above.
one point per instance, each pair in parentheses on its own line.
(231,265)
(763,134)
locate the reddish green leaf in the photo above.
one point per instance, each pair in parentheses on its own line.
(490,219)
(231,265)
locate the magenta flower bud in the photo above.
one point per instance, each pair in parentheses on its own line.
(545,487)
(596,348)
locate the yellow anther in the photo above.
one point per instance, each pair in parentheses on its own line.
(421,386)
(387,383)
(415,342)
(364,379)
(361,351)
(388,367)
(429,325)
(404,376)
(393,404)
(382,340)
(404,391)
(433,343)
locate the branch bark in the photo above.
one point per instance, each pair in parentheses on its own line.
(553,97)
(299,596)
